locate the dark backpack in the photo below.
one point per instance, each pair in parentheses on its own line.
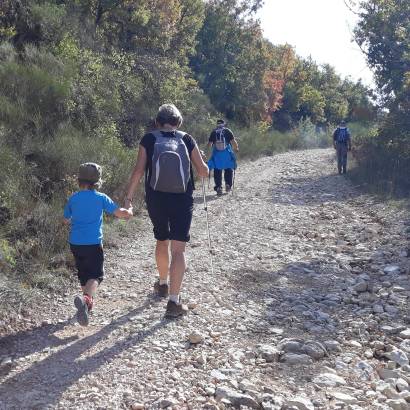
(171,164)
(220,142)
(342,135)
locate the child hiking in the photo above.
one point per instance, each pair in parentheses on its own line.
(342,143)
(84,212)
(166,156)
(223,158)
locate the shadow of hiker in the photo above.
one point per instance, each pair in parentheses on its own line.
(310,191)
(209,198)
(44,382)
(33,340)
(304,297)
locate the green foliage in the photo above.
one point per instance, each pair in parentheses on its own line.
(383,32)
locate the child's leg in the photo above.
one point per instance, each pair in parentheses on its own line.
(90,287)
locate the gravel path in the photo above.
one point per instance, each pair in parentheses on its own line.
(306,309)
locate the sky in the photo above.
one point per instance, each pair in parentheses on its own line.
(318,28)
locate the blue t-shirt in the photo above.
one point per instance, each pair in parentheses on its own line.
(85,209)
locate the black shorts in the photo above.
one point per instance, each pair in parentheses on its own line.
(170,214)
(89,260)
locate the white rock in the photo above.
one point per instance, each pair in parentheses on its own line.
(332,346)
(291,345)
(360,287)
(300,403)
(235,398)
(329,379)
(268,352)
(397,404)
(343,397)
(402,385)
(378,308)
(388,374)
(195,338)
(314,349)
(137,406)
(296,359)
(391,269)
(405,334)
(398,356)
(168,402)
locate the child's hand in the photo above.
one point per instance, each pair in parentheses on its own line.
(124,213)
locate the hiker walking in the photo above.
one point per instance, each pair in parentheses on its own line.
(165,157)
(223,158)
(342,143)
(84,213)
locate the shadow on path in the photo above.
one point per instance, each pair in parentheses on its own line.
(48,379)
(33,340)
(310,191)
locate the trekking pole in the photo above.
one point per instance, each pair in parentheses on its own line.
(233,181)
(207,225)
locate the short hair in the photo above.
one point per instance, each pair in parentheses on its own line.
(83,183)
(169,114)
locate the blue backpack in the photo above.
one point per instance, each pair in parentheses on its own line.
(342,135)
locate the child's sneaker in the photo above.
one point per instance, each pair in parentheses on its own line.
(83,304)
(161,290)
(219,191)
(175,310)
(227,188)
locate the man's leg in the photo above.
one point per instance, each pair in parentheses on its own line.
(339,158)
(344,159)
(228,176)
(218,180)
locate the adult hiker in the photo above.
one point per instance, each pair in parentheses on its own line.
(342,143)
(223,158)
(165,157)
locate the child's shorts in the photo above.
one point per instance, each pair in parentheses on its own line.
(89,260)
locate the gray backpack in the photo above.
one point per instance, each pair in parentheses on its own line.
(171,165)
(220,143)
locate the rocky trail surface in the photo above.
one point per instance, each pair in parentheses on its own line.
(306,309)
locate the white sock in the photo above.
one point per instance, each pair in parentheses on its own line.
(174,298)
(163,281)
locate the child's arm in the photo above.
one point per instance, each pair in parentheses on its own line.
(123,213)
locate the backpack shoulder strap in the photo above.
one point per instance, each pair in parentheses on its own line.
(180,134)
(156,133)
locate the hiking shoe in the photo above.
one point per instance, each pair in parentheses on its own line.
(219,191)
(228,188)
(161,290)
(175,310)
(80,302)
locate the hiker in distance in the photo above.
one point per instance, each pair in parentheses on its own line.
(223,158)
(84,213)
(165,157)
(342,143)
